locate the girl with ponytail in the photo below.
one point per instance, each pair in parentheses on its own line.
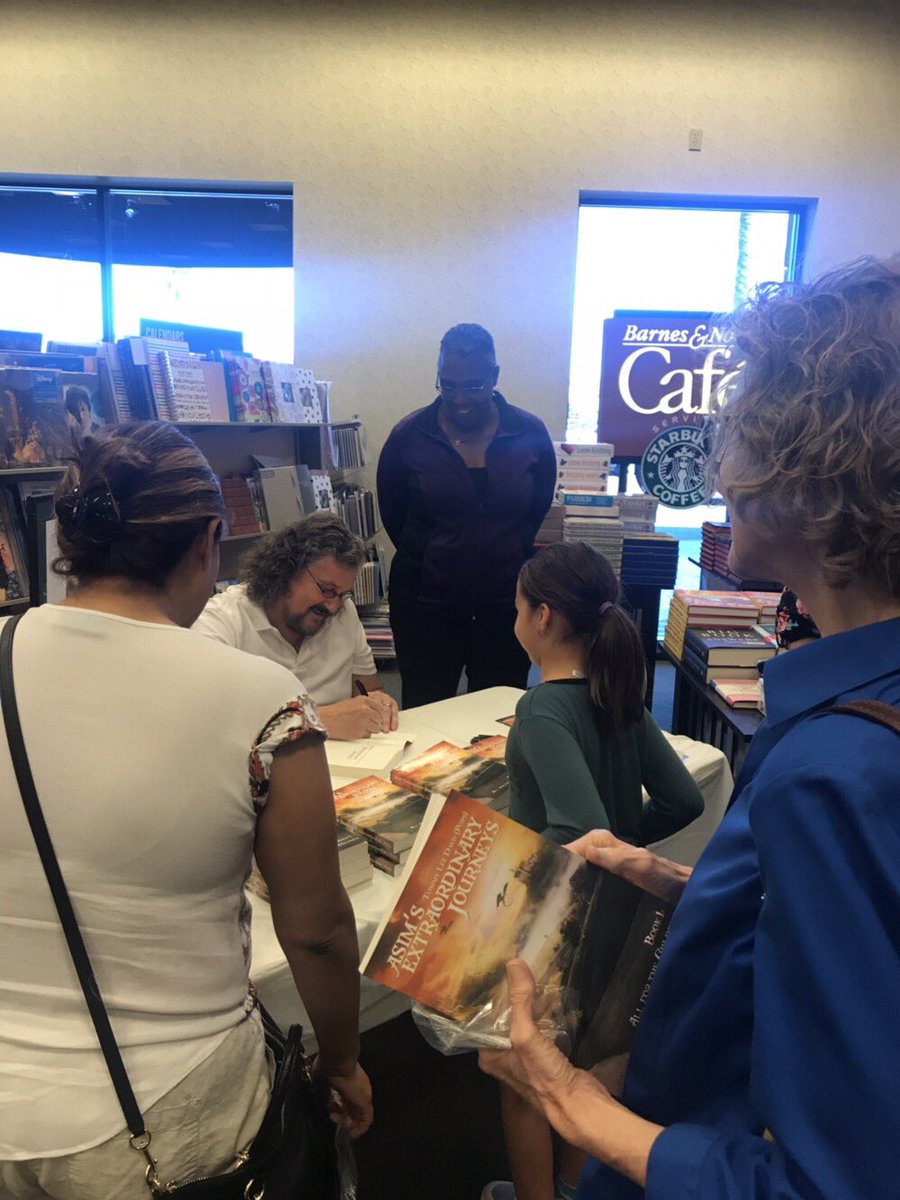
(583,743)
(582,747)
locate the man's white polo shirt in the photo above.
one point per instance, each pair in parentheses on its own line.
(327,660)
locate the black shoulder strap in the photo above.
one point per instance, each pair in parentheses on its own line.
(77,949)
(872,710)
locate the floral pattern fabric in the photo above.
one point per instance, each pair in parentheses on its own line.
(793,622)
(297,719)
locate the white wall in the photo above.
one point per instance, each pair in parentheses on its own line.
(437,155)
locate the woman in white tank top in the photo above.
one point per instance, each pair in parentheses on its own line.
(163,760)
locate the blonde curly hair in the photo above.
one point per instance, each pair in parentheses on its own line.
(812,426)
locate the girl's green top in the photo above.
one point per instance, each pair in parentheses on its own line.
(570,773)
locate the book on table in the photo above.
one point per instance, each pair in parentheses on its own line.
(366,756)
(478,769)
(738,693)
(478,889)
(703,670)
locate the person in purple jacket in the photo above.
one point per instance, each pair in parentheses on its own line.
(463,486)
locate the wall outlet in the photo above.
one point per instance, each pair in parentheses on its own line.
(695,139)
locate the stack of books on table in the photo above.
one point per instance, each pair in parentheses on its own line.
(638,513)
(386,815)
(706,610)
(721,656)
(766,605)
(353,859)
(598,525)
(582,467)
(650,559)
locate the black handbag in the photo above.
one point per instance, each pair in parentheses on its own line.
(293,1155)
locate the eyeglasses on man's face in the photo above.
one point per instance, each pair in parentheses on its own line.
(328,592)
(448,388)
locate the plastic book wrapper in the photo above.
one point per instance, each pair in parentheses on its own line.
(480,889)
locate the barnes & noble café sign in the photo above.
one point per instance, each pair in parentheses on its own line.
(657,378)
(656,372)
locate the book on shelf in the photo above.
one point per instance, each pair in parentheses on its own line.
(291,394)
(322,490)
(479,889)
(245,388)
(349,446)
(13,556)
(139,358)
(388,816)
(282,495)
(195,387)
(113,389)
(478,769)
(367,589)
(738,693)
(731,647)
(43,415)
(364,756)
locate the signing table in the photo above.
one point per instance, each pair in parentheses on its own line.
(459,720)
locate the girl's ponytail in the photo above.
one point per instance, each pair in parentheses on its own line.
(617,672)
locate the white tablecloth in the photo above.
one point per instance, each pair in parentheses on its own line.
(458,720)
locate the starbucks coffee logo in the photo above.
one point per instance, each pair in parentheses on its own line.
(672,466)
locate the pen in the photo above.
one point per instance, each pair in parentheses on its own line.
(363,691)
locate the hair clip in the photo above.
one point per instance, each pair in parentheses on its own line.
(94,513)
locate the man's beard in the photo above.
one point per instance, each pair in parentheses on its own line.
(306,628)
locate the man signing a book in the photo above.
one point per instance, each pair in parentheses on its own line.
(293,606)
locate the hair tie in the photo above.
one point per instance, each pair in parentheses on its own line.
(95,513)
(604,606)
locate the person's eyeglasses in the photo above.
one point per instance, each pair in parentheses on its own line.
(446,388)
(328,592)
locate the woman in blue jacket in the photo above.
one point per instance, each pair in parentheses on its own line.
(767,1060)
(463,486)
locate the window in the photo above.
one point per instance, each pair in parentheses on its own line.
(669,254)
(80,263)
(665,254)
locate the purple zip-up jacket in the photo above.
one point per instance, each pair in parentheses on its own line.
(456,550)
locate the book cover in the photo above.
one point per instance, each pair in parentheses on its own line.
(292,395)
(186,390)
(479,771)
(246,389)
(33,428)
(479,889)
(388,815)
